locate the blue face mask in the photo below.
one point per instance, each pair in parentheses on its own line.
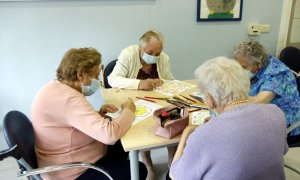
(88,90)
(150,59)
(251,75)
(213,113)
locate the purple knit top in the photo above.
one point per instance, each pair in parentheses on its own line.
(245,143)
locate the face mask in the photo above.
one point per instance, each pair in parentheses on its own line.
(149,59)
(90,89)
(251,75)
(213,113)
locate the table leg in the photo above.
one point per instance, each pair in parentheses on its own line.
(134,165)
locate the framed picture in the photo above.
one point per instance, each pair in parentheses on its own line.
(219,10)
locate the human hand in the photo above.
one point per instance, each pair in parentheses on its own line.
(129,104)
(207,119)
(157,82)
(149,84)
(107,108)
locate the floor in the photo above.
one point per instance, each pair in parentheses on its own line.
(9,168)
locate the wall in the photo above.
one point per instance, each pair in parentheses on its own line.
(35,35)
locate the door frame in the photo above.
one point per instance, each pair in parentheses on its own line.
(284,25)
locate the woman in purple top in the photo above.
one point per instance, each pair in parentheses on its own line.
(243,141)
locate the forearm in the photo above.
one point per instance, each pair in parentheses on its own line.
(121,82)
(262,97)
(187,131)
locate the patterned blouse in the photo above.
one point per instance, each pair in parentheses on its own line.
(153,74)
(279,79)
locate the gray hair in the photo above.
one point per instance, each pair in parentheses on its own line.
(147,36)
(253,51)
(224,79)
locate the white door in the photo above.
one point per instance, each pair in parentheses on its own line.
(289,33)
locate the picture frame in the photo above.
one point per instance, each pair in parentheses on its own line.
(217,10)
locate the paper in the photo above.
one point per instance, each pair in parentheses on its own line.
(144,109)
(170,88)
(199,117)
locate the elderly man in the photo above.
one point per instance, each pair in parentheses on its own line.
(142,66)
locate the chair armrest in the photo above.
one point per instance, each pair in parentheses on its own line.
(62,167)
(292,168)
(12,152)
(293,126)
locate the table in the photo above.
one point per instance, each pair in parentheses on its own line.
(140,137)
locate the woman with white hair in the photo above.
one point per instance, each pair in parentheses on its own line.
(271,82)
(243,141)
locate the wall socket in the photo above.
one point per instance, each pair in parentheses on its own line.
(253,29)
(256,28)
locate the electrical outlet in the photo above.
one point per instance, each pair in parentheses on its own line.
(253,29)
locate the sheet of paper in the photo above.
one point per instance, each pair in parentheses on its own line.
(198,117)
(144,109)
(170,88)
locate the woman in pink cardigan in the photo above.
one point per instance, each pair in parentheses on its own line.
(68,129)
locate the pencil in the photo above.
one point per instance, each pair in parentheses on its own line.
(195,110)
(159,98)
(145,99)
(189,99)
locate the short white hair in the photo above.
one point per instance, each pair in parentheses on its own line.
(147,36)
(224,79)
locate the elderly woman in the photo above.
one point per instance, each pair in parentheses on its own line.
(271,82)
(68,129)
(143,67)
(243,141)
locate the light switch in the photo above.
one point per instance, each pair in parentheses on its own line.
(265,28)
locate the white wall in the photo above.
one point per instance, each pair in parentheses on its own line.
(35,35)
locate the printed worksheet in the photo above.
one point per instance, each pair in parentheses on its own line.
(172,87)
(144,109)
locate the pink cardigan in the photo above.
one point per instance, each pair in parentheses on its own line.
(68,129)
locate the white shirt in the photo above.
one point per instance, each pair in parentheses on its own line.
(128,65)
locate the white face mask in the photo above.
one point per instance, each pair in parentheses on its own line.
(150,59)
(88,90)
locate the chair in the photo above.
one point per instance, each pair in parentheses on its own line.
(290,56)
(19,135)
(107,70)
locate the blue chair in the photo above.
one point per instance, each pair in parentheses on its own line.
(19,135)
(107,70)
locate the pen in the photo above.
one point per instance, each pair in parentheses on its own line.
(159,98)
(145,99)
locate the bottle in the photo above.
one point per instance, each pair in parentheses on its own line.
(174,113)
(163,118)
